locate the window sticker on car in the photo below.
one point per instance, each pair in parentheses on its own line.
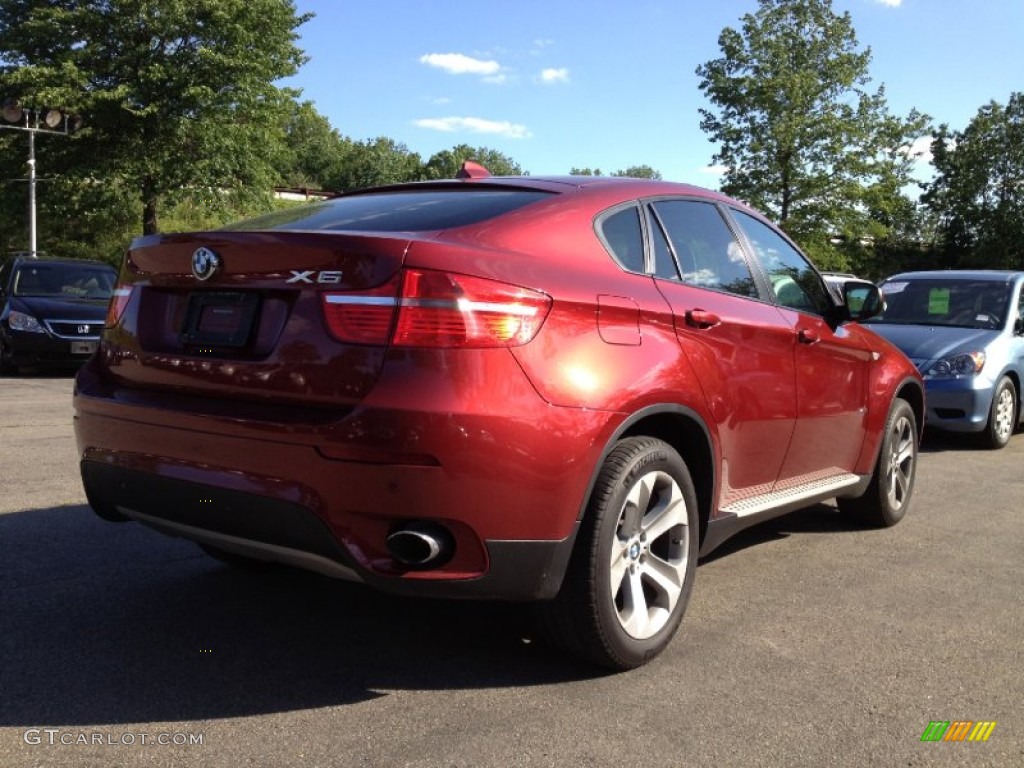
(938,301)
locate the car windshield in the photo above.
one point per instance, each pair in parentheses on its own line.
(957,303)
(66,281)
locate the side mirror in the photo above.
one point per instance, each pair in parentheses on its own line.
(862,299)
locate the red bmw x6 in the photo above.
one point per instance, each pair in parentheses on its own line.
(553,389)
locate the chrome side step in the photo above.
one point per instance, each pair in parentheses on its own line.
(755,509)
(793,497)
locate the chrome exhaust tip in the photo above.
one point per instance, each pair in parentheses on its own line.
(421,545)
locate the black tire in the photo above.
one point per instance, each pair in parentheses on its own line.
(632,570)
(888,496)
(1002,416)
(235,560)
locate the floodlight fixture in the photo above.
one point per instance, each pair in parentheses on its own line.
(33,121)
(12,111)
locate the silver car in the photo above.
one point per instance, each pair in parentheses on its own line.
(964,330)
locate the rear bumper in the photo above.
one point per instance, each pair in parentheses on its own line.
(280,531)
(324,493)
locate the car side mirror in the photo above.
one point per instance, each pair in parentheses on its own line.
(862,299)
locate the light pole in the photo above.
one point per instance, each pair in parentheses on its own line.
(33,121)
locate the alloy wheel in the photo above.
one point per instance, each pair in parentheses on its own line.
(1003,414)
(903,447)
(649,556)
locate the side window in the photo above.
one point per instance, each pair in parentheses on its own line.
(708,254)
(621,234)
(795,283)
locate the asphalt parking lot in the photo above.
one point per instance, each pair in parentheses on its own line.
(808,642)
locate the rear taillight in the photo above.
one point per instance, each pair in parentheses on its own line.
(118,301)
(362,317)
(438,309)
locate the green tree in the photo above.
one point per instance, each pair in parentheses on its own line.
(633,171)
(978,190)
(314,152)
(639,172)
(176,95)
(374,162)
(799,134)
(446,163)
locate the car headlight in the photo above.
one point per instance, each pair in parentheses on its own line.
(19,321)
(966,364)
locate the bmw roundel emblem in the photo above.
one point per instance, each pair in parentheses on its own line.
(205,263)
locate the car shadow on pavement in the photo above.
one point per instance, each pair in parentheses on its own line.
(935,441)
(65,372)
(108,623)
(819,518)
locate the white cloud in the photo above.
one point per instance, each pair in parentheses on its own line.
(890,3)
(714,170)
(552,75)
(921,149)
(460,64)
(475,125)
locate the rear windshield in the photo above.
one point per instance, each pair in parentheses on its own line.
(401,211)
(86,281)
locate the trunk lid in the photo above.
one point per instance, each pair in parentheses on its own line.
(246,322)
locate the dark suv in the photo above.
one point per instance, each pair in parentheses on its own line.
(562,390)
(51,311)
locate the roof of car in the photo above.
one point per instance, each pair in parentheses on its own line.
(622,187)
(554,184)
(995,275)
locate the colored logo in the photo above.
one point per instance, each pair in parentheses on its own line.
(205,263)
(958,730)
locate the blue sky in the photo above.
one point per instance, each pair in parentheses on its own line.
(556,84)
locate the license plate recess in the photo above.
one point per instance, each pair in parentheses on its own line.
(220,319)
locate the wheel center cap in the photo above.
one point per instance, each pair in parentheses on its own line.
(634,550)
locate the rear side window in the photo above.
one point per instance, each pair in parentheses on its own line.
(623,236)
(399,211)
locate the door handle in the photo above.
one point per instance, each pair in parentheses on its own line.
(700,318)
(807,336)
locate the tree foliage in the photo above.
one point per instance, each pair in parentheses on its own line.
(633,172)
(314,152)
(177,95)
(375,162)
(446,163)
(799,134)
(978,190)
